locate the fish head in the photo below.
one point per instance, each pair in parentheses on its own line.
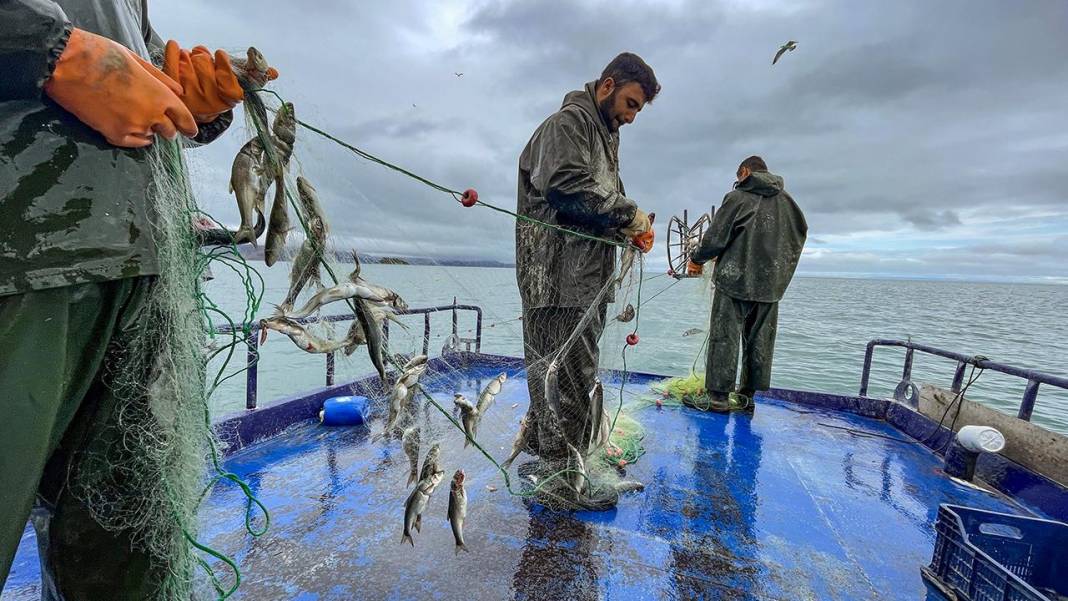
(458,479)
(256,60)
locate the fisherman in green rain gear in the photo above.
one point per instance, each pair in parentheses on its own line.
(755,238)
(80,104)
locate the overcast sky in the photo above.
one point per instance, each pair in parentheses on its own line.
(920,138)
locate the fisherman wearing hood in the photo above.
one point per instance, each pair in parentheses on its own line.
(569,177)
(755,239)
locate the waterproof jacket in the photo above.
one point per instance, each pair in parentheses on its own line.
(73,208)
(569,176)
(756,237)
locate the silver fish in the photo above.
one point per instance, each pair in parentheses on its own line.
(396,401)
(458,509)
(388,296)
(552,389)
(598,418)
(416,504)
(376,345)
(411,448)
(414,362)
(251,71)
(627,314)
(354,338)
(248,182)
(430,462)
(577,475)
(342,291)
(278,224)
(692,331)
(624,486)
(301,337)
(468,417)
(520,442)
(489,394)
(306,264)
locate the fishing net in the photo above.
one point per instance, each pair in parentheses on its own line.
(573,348)
(147,470)
(584,420)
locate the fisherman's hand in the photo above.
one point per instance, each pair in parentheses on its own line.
(694,268)
(209,85)
(117,93)
(644,242)
(638,225)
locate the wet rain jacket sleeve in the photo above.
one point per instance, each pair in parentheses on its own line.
(564,173)
(719,232)
(33,33)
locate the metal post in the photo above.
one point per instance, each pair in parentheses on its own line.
(958,376)
(330,369)
(866,374)
(1027,407)
(426,334)
(906,374)
(478,331)
(251,363)
(454,316)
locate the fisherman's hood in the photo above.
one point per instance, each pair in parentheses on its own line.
(763,183)
(585,99)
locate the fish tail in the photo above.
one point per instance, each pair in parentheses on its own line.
(407,538)
(462,547)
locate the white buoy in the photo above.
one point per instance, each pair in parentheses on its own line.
(981,439)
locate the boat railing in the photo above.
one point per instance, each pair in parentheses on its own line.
(454,342)
(906,391)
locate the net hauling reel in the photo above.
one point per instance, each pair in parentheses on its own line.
(682,241)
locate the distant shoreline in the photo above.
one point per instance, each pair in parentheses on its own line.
(344,257)
(256,254)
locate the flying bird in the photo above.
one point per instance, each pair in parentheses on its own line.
(458,74)
(788,46)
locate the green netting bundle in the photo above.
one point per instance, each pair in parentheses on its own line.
(674,390)
(625,442)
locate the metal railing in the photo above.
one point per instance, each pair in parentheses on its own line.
(454,341)
(907,391)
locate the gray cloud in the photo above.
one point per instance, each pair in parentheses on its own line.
(919,137)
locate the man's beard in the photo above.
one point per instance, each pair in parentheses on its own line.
(604,107)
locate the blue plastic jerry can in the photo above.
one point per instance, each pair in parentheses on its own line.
(344,411)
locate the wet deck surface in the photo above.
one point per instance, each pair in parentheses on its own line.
(784,505)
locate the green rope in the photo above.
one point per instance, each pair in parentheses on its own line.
(456,194)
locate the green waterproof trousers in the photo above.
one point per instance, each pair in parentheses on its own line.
(56,400)
(755,324)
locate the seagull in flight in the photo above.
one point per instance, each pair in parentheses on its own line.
(788,46)
(458,74)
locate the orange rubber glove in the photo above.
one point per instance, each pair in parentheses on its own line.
(644,240)
(694,268)
(117,93)
(209,86)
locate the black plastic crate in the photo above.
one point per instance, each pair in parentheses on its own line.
(990,556)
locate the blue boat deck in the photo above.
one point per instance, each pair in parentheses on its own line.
(795,502)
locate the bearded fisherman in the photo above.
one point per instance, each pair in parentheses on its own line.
(569,177)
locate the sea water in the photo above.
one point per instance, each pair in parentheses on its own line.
(824,325)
